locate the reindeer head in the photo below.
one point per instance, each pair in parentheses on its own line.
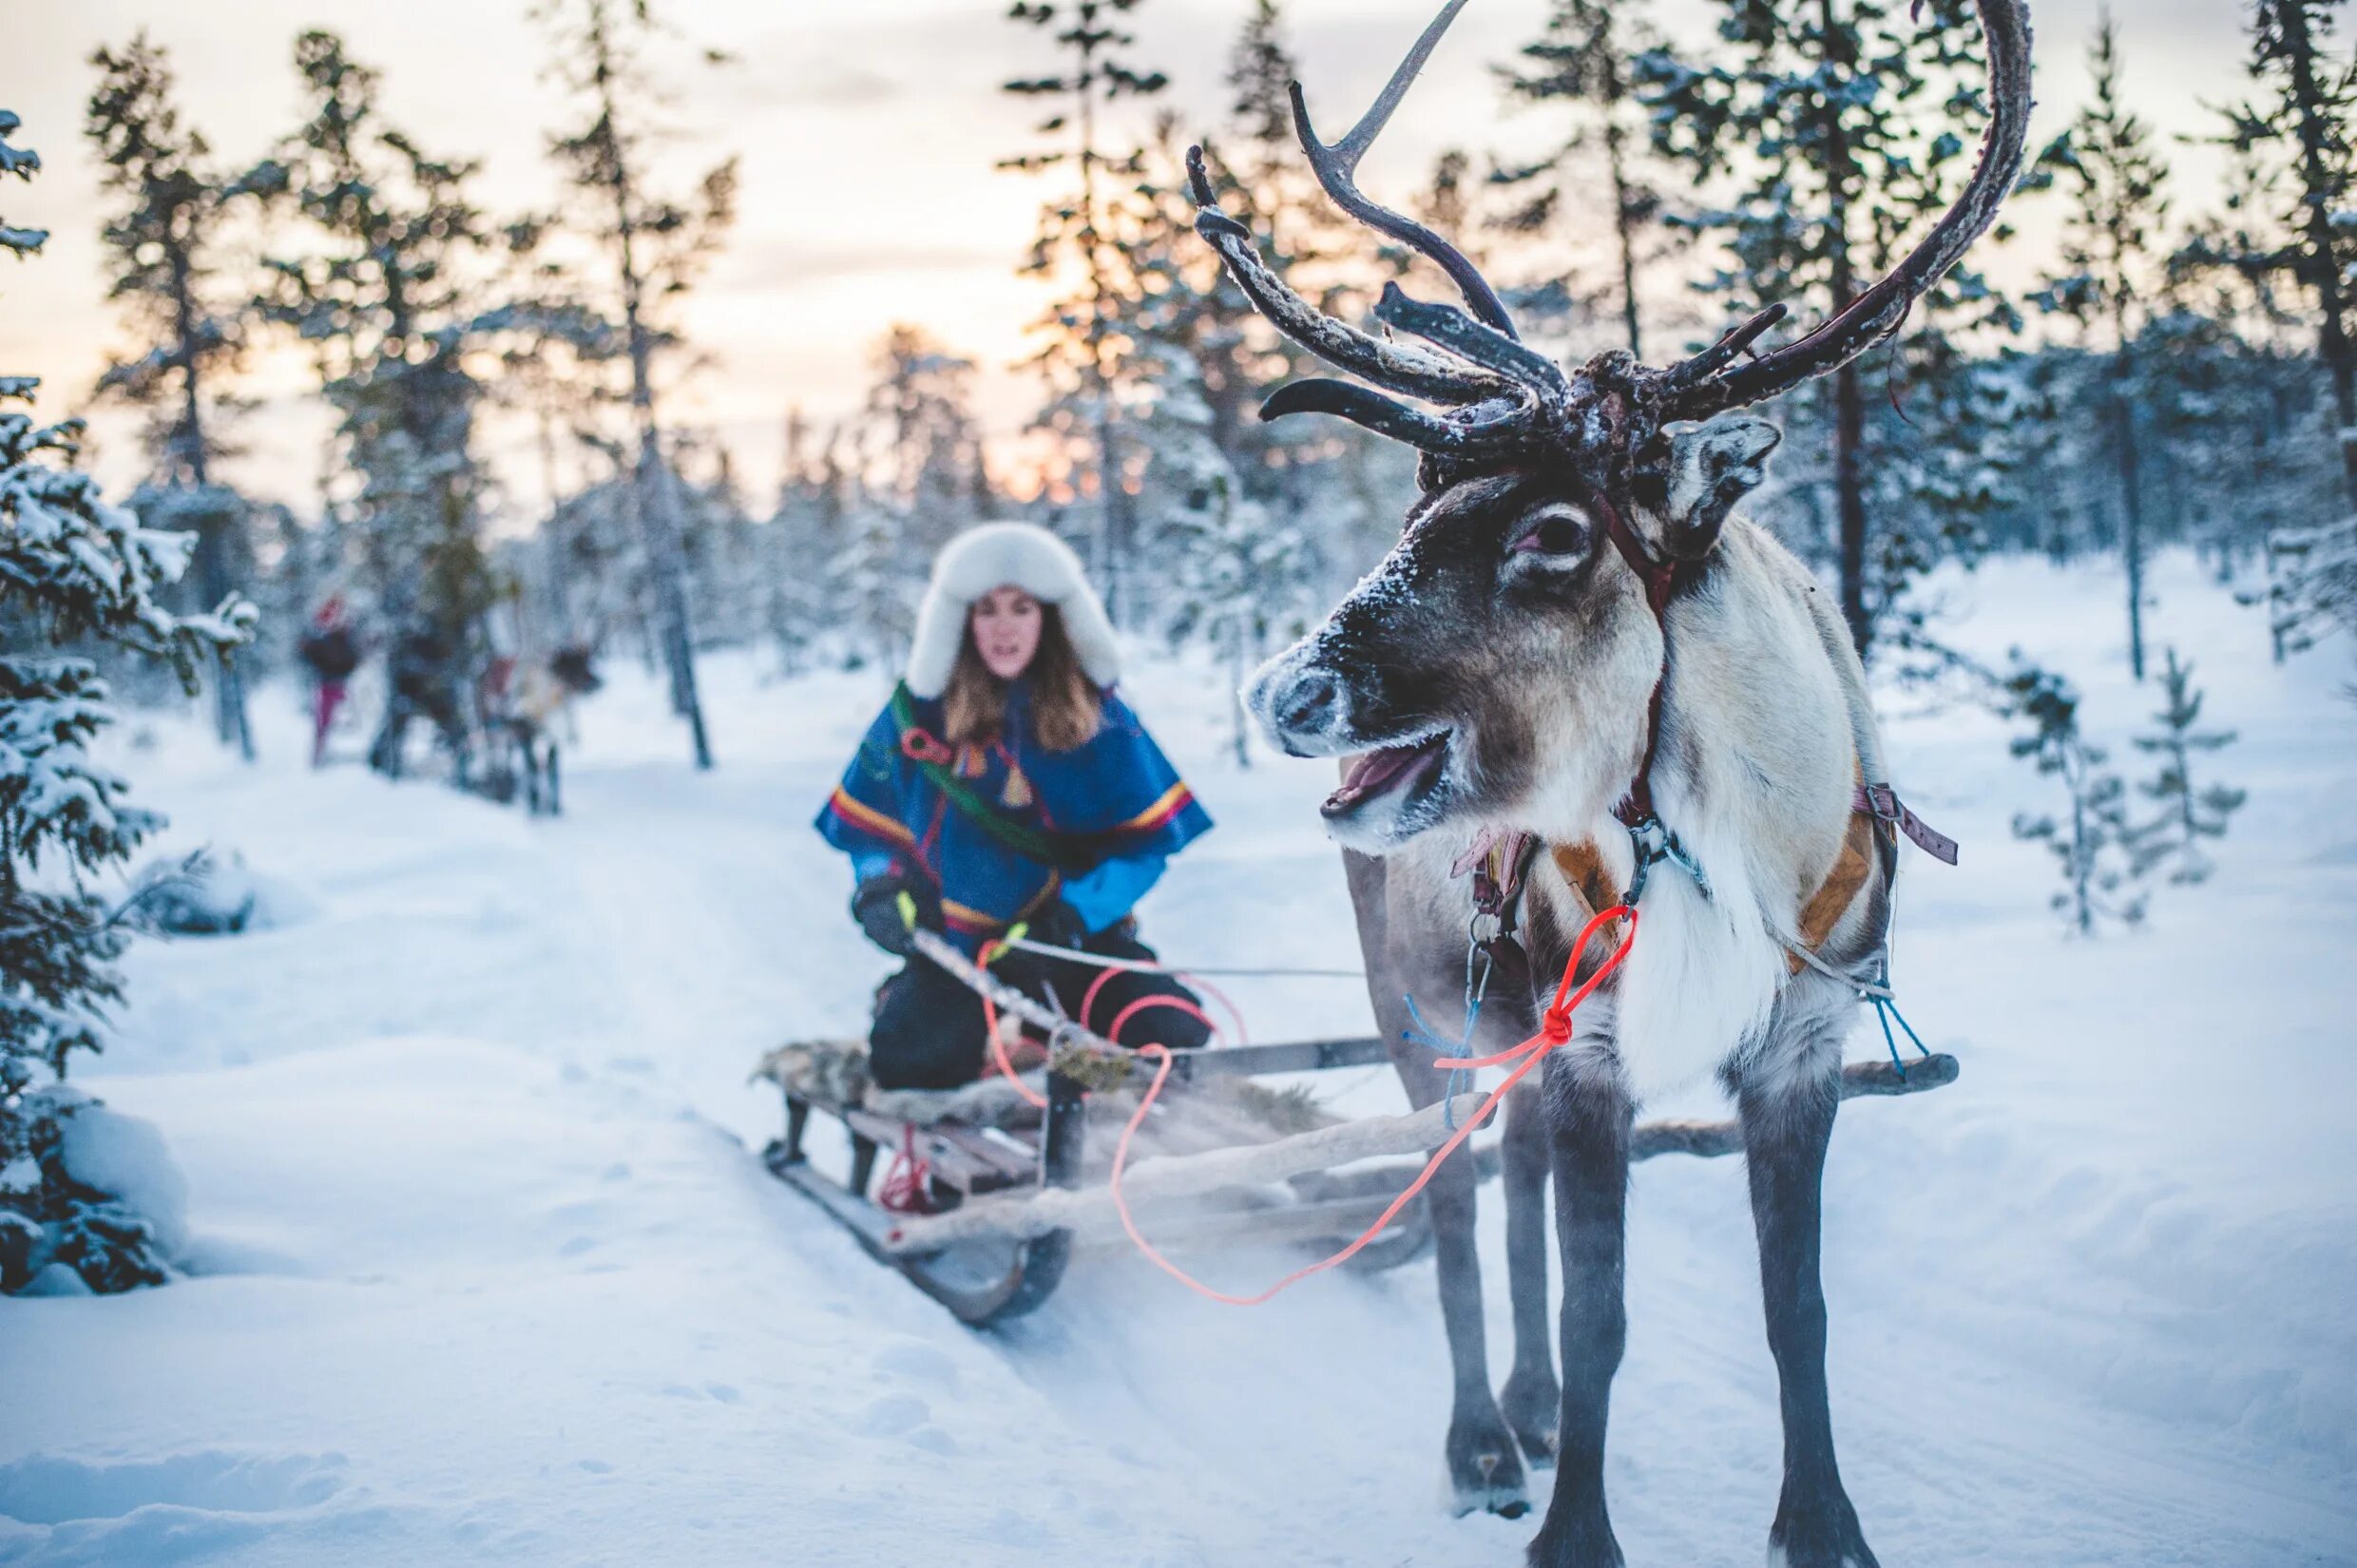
(1500,663)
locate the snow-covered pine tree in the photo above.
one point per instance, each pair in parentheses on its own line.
(920,403)
(2094,845)
(1081,347)
(1581,60)
(656,247)
(1834,126)
(386,292)
(2188,813)
(74,571)
(2298,128)
(162,241)
(2109,166)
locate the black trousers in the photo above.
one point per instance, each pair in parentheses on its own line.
(929,1028)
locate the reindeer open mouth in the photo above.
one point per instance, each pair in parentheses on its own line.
(1399,787)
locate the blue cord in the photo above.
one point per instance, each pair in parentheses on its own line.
(1885,1010)
(1421,1033)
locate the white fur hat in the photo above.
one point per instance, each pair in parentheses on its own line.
(997,555)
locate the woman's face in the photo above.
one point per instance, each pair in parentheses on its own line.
(1005,623)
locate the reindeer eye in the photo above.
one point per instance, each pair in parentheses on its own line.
(1555,531)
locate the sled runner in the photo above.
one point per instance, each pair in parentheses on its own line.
(985,1199)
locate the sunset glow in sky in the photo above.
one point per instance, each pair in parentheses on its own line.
(867,134)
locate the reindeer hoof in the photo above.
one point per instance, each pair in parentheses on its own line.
(1818,1533)
(1485,1470)
(1533,1406)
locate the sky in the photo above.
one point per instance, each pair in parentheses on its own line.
(867,134)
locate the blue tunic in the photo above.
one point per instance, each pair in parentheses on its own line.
(1116,792)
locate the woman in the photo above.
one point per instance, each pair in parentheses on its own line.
(1005,786)
(333,652)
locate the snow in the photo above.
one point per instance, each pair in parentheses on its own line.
(480,1267)
(123,1156)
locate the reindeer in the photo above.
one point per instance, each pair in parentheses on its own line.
(1575,638)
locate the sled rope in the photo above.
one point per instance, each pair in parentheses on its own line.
(1111,966)
(1554,1030)
(904,1190)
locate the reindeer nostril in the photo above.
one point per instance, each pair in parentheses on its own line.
(1309,704)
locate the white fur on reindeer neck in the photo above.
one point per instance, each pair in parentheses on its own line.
(999,555)
(1762,810)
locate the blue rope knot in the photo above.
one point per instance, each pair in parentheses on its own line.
(1460,1079)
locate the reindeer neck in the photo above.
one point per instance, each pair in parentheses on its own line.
(1662,579)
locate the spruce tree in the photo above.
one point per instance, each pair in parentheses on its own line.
(2107,164)
(164,241)
(2094,846)
(75,572)
(1080,353)
(383,282)
(1581,59)
(2298,125)
(655,247)
(2188,813)
(920,402)
(1834,124)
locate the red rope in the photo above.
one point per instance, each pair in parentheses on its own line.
(1554,1030)
(905,1190)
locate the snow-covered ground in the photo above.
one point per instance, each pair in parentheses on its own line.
(482,1269)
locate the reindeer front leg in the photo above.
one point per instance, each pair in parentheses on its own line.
(1590,1115)
(1786,1103)
(1484,1471)
(1531,1401)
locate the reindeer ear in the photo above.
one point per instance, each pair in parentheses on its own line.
(1713,467)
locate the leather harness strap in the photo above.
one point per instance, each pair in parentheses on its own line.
(1662,579)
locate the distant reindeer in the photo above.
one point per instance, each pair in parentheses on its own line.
(1574,639)
(522,715)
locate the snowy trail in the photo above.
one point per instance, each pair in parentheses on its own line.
(486,1273)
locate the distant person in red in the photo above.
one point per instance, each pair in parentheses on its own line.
(333,652)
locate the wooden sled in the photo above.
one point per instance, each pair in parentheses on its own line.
(1014,1203)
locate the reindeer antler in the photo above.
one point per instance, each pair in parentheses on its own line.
(1503,397)
(1337,165)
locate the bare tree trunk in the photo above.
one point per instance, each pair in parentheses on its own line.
(213,571)
(2131,530)
(1848,398)
(1850,498)
(2316,131)
(1624,222)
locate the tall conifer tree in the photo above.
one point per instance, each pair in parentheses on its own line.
(163,238)
(1834,124)
(1077,242)
(74,572)
(2107,164)
(655,247)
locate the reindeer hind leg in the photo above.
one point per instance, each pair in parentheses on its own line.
(1787,1095)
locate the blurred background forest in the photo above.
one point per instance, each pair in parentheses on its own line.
(509,399)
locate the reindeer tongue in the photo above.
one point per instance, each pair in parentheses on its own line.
(1378,771)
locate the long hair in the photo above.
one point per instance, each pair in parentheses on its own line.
(1065,710)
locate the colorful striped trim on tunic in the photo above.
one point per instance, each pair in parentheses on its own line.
(869,820)
(1175,800)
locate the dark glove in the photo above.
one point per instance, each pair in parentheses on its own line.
(1057,926)
(891,906)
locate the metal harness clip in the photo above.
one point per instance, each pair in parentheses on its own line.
(1654,842)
